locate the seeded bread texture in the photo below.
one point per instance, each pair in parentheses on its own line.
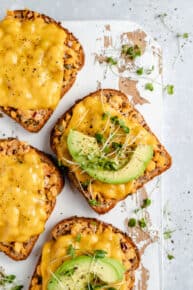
(34,120)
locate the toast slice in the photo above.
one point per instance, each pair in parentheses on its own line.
(52,182)
(33,119)
(89,116)
(85,228)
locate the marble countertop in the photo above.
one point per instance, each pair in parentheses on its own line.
(178,108)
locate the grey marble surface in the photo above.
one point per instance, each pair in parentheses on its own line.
(178,109)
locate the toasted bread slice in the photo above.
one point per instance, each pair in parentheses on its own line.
(52,183)
(86,227)
(34,119)
(86,116)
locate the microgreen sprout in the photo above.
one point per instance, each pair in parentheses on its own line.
(94,202)
(142,223)
(140,71)
(105,115)
(170,257)
(168,234)
(100,138)
(132,222)
(71,251)
(78,237)
(185,35)
(131,51)
(170,89)
(111,61)
(99,254)
(146,203)
(149,87)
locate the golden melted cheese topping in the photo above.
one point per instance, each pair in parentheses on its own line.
(22,206)
(31,63)
(87,118)
(55,252)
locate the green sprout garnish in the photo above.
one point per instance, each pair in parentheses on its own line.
(131,51)
(125,129)
(100,138)
(146,203)
(149,87)
(149,70)
(170,257)
(100,253)
(89,286)
(170,89)
(116,145)
(85,184)
(71,251)
(9,279)
(107,149)
(17,287)
(94,202)
(105,115)
(6,279)
(111,61)
(115,120)
(139,71)
(78,237)
(184,35)
(142,223)
(168,234)
(132,222)
(136,210)
(109,165)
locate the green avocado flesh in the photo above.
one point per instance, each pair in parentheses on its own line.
(85,151)
(84,271)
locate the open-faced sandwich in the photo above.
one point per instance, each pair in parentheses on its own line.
(29,185)
(86,254)
(108,148)
(39,61)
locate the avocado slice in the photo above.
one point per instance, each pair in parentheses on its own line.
(81,146)
(77,273)
(119,267)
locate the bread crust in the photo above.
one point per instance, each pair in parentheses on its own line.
(108,204)
(64,228)
(52,189)
(34,120)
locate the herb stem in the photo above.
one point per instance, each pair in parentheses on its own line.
(111,135)
(81,119)
(106,124)
(162,19)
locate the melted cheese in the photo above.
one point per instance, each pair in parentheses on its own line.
(87,118)
(22,206)
(31,63)
(55,252)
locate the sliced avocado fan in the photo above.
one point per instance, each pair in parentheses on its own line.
(85,151)
(84,271)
